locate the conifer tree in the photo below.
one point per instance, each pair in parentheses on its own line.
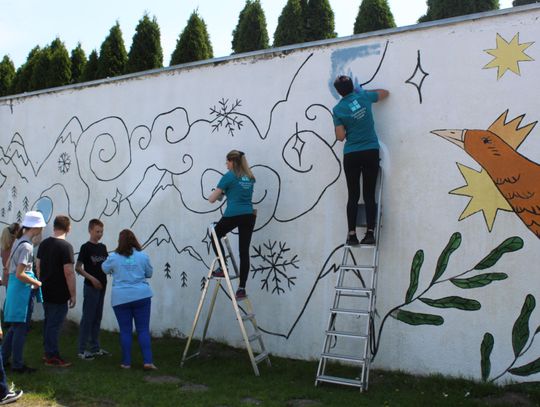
(23,76)
(319,21)
(59,72)
(250,33)
(78,64)
(145,52)
(291,25)
(373,15)
(522,2)
(194,42)
(7,74)
(40,69)
(439,9)
(91,68)
(112,55)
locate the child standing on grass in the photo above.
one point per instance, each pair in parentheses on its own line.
(91,255)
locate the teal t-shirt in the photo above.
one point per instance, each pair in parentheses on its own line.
(354,112)
(239,192)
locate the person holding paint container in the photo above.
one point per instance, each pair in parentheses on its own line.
(354,124)
(237,185)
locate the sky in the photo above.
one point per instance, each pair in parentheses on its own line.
(25,24)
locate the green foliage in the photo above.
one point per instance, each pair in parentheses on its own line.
(194,42)
(112,56)
(146,52)
(478,281)
(520,330)
(416,318)
(373,15)
(59,72)
(250,33)
(485,355)
(78,64)
(22,81)
(319,20)
(40,70)
(7,74)
(417,262)
(439,9)
(523,2)
(444,258)
(91,68)
(465,304)
(291,25)
(509,245)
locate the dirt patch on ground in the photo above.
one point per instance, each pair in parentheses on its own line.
(508,399)
(302,403)
(162,379)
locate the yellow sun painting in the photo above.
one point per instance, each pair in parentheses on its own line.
(508,55)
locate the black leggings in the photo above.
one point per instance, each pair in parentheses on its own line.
(365,163)
(245,225)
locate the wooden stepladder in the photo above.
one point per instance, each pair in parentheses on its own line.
(349,336)
(244,315)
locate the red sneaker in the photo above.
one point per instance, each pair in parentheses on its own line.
(57,361)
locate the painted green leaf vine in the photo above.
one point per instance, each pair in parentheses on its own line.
(465,281)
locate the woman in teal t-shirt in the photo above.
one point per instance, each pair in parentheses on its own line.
(237,186)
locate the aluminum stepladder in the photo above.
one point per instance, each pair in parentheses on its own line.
(241,314)
(354,306)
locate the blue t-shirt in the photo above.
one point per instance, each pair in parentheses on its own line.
(129,276)
(354,112)
(239,192)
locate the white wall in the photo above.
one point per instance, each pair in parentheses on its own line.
(144,151)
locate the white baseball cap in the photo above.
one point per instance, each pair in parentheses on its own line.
(33,219)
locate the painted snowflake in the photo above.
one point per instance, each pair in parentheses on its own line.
(226,116)
(274,265)
(64,163)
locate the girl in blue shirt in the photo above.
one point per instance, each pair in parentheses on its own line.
(131,295)
(237,186)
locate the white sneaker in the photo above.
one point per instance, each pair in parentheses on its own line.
(86,356)
(11,397)
(101,352)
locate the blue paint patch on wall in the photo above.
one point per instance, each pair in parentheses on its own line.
(342,57)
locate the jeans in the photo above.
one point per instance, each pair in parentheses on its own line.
(91,318)
(55,314)
(16,337)
(3,384)
(365,163)
(245,225)
(125,315)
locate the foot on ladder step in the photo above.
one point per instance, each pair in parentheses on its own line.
(352,240)
(369,238)
(241,294)
(218,273)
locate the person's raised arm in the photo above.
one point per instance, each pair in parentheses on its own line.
(383,93)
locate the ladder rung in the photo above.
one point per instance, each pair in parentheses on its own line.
(346,334)
(345,358)
(360,290)
(339,380)
(357,267)
(245,317)
(349,311)
(260,357)
(254,337)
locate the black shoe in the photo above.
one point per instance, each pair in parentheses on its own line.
(23,369)
(218,273)
(369,238)
(12,396)
(241,294)
(352,240)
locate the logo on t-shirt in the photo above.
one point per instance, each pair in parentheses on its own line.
(354,106)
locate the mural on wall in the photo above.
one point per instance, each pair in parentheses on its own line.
(508,180)
(508,55)
(418,77)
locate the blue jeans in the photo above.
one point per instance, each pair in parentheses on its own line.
(92,313)
(3,384)
(16,337)
(125,314)
(55,314)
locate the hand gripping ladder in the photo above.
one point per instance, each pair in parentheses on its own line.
(242,314)
(350,332)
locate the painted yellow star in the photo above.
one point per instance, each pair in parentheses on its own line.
(485,196)
(508,55)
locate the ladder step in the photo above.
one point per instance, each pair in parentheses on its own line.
(349,311)
(260,357)
(245,317)
(346,334)
(355,290)
(345,358)
(254,337)
(339,380)
(357,267)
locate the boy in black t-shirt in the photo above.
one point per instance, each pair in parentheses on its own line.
(91,255)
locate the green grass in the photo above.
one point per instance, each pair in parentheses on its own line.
(230,381)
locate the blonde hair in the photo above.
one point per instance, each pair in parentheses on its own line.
(240,164)
(9,235)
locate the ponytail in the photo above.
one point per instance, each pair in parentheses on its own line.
(240,164)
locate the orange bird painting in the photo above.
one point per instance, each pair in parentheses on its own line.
(515,176)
